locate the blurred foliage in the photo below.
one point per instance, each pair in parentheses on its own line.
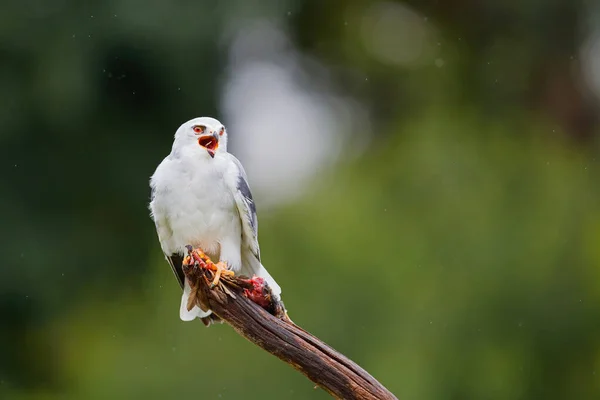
(456,258)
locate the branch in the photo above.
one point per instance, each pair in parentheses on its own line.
(274,332)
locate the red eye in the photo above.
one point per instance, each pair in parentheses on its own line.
(222,131)
(199,129)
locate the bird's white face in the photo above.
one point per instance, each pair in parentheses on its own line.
(205,134)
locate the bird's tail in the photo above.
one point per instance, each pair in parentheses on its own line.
(195,312)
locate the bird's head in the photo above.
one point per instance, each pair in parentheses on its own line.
(205,135)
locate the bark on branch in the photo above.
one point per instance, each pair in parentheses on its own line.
(277,334)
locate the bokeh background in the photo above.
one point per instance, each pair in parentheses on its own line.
(425,174)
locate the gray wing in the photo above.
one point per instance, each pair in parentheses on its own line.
(238,183)
(176,263)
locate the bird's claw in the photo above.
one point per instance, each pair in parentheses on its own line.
(198,257)
(220,268)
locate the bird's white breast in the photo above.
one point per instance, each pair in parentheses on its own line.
(193,203)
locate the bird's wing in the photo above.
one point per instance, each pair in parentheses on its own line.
(164,231)
(238,184)
(176,263)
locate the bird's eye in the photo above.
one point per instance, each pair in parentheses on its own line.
(199,129)
(222,131)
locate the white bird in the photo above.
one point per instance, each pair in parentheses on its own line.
(201,197)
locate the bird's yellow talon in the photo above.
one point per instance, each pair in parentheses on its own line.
(198,256)
(220,268)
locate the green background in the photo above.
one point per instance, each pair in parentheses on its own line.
(455,257)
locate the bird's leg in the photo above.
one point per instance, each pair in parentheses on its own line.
(220,268)
(200,257)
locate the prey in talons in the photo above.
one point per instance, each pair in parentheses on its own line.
(197,257)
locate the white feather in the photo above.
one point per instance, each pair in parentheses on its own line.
(195,312)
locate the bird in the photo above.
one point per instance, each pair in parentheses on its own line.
(200,197)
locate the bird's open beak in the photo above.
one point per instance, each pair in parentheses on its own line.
(210,143)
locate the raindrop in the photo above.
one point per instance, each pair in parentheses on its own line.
(439,62)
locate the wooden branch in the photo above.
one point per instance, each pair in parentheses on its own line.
(274,332)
